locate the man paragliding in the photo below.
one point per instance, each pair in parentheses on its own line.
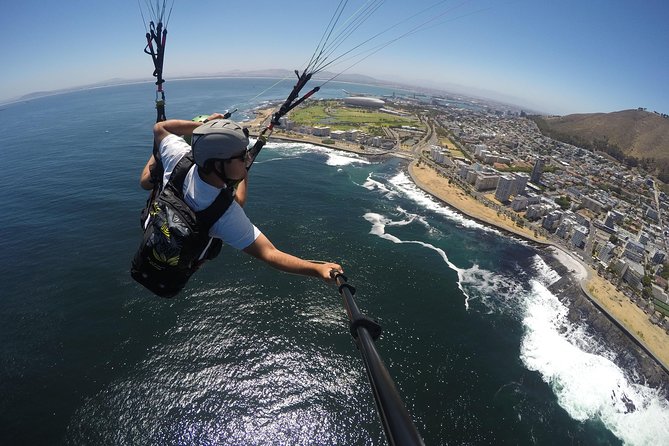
(200,206)
(198,193)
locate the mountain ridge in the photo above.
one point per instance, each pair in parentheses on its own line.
(635,137)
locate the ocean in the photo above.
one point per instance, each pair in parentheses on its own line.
(479,348)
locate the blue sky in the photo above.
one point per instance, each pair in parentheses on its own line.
(555,56)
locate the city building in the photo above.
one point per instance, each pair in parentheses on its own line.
(633,274)
(652,214)
(438,154)
(579,236)
(536,211)
(606,253)
(634,251)
(520,183)
(479,149)
(552,220)
(565,227)
(658,257)
(537,170)
(519,203)
(592,204)
(486,181)
(504,188)
(320,131)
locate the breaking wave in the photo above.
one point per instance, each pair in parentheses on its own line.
(336,158)
(578,367)
(588,385)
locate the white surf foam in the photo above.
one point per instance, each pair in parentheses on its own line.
(335,158)
(339,159)
(379,223)
(371,184)
(588,386)
(419,218)
(407,187)
(495,291)
(546,274)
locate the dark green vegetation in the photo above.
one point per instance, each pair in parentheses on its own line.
(636,138)
(564,202)
(339,117)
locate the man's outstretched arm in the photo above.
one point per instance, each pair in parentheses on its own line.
(264,250)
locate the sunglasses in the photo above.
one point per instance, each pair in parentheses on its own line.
(242,156)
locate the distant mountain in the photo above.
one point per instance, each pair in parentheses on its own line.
(41,94)
(279,73)
(636,137)
(270,73)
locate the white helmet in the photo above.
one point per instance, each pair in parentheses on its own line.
(218,139)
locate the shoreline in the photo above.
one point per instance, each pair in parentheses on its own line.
(617,308)
(614,306)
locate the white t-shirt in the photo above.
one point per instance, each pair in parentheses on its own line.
(234,227)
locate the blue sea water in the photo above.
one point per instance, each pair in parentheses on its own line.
(480,350)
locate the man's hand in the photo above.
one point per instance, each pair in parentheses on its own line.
(325,270)
(215,116)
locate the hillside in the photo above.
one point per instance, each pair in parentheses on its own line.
(632,136)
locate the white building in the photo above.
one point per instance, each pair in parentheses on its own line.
(634,251)
(579,236)
(633,274)
(520,183)
(438,154)
(536,211)
(565,228)
(552,220)
(320,131)
(363,101)
(338,134)
(479,149)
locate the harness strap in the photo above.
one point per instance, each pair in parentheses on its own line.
(208,216)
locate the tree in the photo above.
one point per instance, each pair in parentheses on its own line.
(664,273)
(564,202)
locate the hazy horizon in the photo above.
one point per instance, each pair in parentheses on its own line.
(356,78)
(563,58)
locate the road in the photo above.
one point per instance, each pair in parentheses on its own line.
(659,215)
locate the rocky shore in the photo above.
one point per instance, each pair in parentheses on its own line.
(629,354)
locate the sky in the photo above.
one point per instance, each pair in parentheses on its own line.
(552,56)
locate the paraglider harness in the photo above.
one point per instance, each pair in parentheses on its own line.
(176,239)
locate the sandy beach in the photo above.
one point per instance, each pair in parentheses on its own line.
(431,182)
(604,294)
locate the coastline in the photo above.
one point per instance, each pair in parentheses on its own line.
(649,342)
(605,299)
